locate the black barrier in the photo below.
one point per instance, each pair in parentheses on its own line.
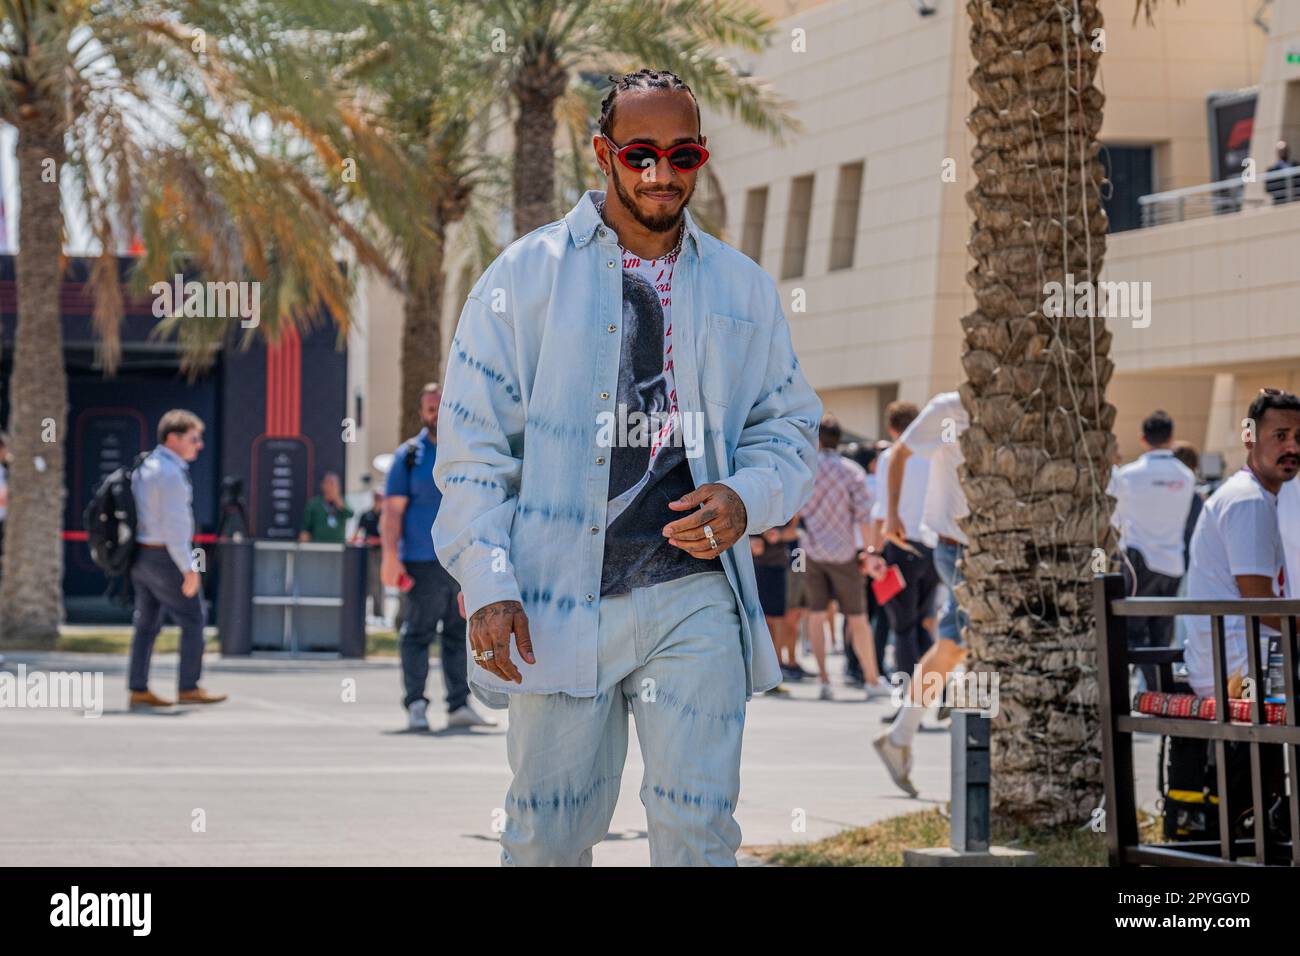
(292,598)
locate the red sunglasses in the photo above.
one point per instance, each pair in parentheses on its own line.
(640,156)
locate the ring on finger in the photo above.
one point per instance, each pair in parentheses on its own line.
(708,533)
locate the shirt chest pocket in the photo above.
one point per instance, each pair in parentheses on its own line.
(723,360)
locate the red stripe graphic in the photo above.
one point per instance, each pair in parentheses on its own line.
(284,386)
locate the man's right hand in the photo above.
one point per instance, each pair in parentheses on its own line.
(190,586)
(391,570)
(490,628)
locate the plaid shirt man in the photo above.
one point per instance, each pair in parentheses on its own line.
(840,501)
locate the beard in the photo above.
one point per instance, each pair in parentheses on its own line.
(664,223)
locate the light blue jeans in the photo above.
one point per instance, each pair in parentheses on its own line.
(672,654)
(952,618)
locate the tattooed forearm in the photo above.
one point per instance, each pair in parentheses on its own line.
(491,612)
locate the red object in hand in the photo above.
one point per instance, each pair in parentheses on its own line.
(405,582)
(889,584)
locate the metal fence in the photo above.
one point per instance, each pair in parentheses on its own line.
(1119,724)
(1216,199)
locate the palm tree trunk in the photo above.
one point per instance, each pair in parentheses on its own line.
(31,592)
(1039,448)
(537,88)
(421,329)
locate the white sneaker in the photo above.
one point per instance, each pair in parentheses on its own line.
(466,716)
(881,688)
(897,760)
(417,715)
(826,693)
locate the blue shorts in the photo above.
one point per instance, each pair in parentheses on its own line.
(952,619)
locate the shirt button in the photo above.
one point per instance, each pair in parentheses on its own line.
(612,327)
(610,264)
(604,394)
(595,530)
(604,233)
(600,461)
(590,598)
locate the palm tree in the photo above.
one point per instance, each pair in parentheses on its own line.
(422,85)
(146,111)
(426,81)
(539,45)
(1039,448)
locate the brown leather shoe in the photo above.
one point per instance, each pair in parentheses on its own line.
(200,696)
(145,698)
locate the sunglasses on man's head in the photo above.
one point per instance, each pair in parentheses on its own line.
(639,156)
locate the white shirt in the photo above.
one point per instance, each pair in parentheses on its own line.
(933,435)
(1236,534)
(911,503)
(1153,496)
(1288,523)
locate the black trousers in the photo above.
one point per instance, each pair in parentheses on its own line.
(430,602)
(157,584)
(1141,581)
(910,606)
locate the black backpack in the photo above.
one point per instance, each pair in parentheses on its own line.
(410,449)
(110,521)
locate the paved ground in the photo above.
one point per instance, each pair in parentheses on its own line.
(287,772)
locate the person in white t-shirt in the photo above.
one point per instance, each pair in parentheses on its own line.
(1153,496)
(932,436)
(1237,549)
(911,611)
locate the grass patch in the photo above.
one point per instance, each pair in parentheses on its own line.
(117,640)
(882,843)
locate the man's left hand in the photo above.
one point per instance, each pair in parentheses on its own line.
(720,508)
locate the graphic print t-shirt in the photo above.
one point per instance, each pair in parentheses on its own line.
(649,469)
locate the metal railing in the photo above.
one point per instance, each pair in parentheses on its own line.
(1217,199)
(1114,658)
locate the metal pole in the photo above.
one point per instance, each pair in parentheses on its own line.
(970,782)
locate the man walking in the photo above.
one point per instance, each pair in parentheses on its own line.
(933,435)
(839,504)
(1153,496)
(609,438)
(411,503)
(163,574)
(901,505)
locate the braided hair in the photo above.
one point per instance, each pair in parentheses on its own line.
(643,79)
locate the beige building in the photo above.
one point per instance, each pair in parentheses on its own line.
(861,217)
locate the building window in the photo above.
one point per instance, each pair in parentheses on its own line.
(1130,170)
(796,227)
(751,238)
(844,227)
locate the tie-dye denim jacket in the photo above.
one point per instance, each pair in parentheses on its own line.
(522,470)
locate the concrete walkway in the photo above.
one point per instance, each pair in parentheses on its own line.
(287,772)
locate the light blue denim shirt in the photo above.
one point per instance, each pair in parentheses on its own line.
(523,472)
(164,505)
